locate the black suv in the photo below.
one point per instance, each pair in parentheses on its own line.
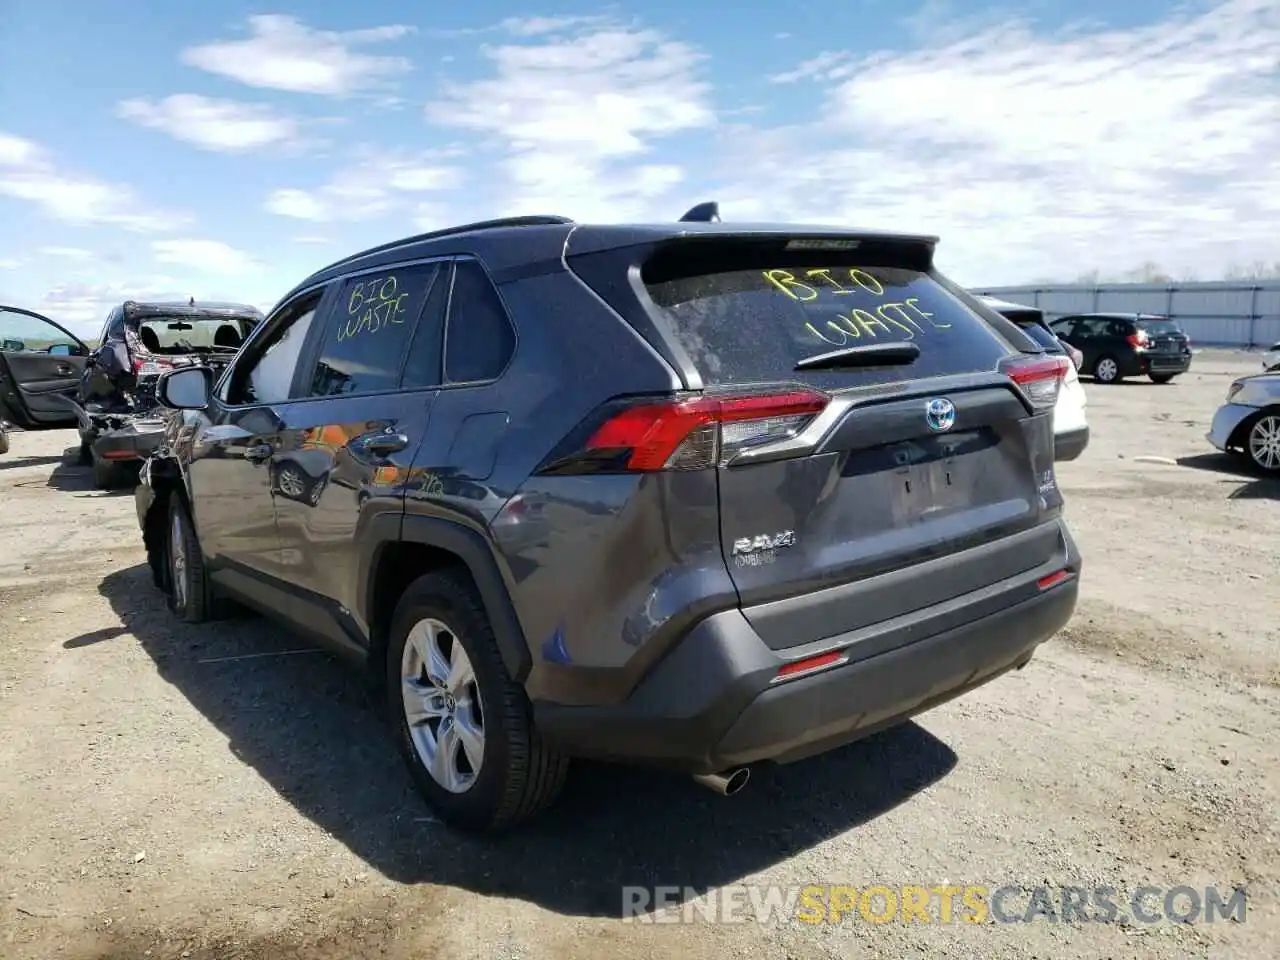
(689,495)
(1119,345)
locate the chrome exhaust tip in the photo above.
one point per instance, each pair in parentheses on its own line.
(726,784)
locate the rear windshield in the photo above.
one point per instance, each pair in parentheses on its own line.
(192,334)
(1159,328)
(752,325)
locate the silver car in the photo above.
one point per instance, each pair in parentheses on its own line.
(1249,421)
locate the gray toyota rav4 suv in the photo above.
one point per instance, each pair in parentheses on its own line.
(691,494)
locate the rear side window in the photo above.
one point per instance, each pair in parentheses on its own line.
(479,340)
(1042,336)
(368,331)
(751,325)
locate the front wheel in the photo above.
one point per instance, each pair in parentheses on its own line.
(1263,443)
(463,726)
(1160,377)
(188,585)
(1106,370)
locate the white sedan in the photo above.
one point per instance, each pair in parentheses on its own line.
(1249,421)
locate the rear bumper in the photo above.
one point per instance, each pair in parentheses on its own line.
(137,441)
(1070,443)
(1164,363)
(713,702)
(1225,422)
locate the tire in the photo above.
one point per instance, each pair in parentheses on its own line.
(4,440)
(110,475)
(1161,377)
(1106,370)
(189,594)
(1262,442)
(517,776)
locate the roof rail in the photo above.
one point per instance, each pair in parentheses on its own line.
(708,212)
(535,220)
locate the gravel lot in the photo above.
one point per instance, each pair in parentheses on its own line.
(161,798)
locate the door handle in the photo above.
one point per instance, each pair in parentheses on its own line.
(259,453)
(64,370)
(385,444)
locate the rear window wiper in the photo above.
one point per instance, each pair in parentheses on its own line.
(868,355)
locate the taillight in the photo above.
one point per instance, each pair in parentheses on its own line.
(1040,378)
(1139,340)
(148,366)
(695,433)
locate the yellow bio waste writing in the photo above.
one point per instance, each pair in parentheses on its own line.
(371,306)
(902,316)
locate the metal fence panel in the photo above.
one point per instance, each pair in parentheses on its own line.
(1236,314)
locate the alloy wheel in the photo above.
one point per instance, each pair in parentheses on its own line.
(442,705)
(1264,443)
(178,560)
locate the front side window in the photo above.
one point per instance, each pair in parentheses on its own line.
(265,375)
(368,330)
(24,333)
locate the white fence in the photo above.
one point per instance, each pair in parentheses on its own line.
(1229,314)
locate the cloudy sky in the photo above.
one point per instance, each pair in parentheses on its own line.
(226,150)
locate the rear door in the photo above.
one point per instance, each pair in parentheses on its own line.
(907,463)
(40,368)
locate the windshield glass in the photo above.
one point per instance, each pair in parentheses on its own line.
(740,326)
(1159,328)
(190,334)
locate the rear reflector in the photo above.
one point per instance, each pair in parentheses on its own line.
(1039,377)
(1053,579)
(809,665)
(696,433)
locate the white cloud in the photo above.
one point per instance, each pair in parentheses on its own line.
(573,114)
(282,53)
(68,253)
(27,172)
(369,188)
(207,256)
(226,126)
(84,306)
(312,239)
(10,264)
(1034,154)
(538,26)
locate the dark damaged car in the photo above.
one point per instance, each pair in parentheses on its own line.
(120,422)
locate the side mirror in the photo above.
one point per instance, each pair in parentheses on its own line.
(186,388)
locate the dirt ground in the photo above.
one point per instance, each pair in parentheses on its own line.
(223,792)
